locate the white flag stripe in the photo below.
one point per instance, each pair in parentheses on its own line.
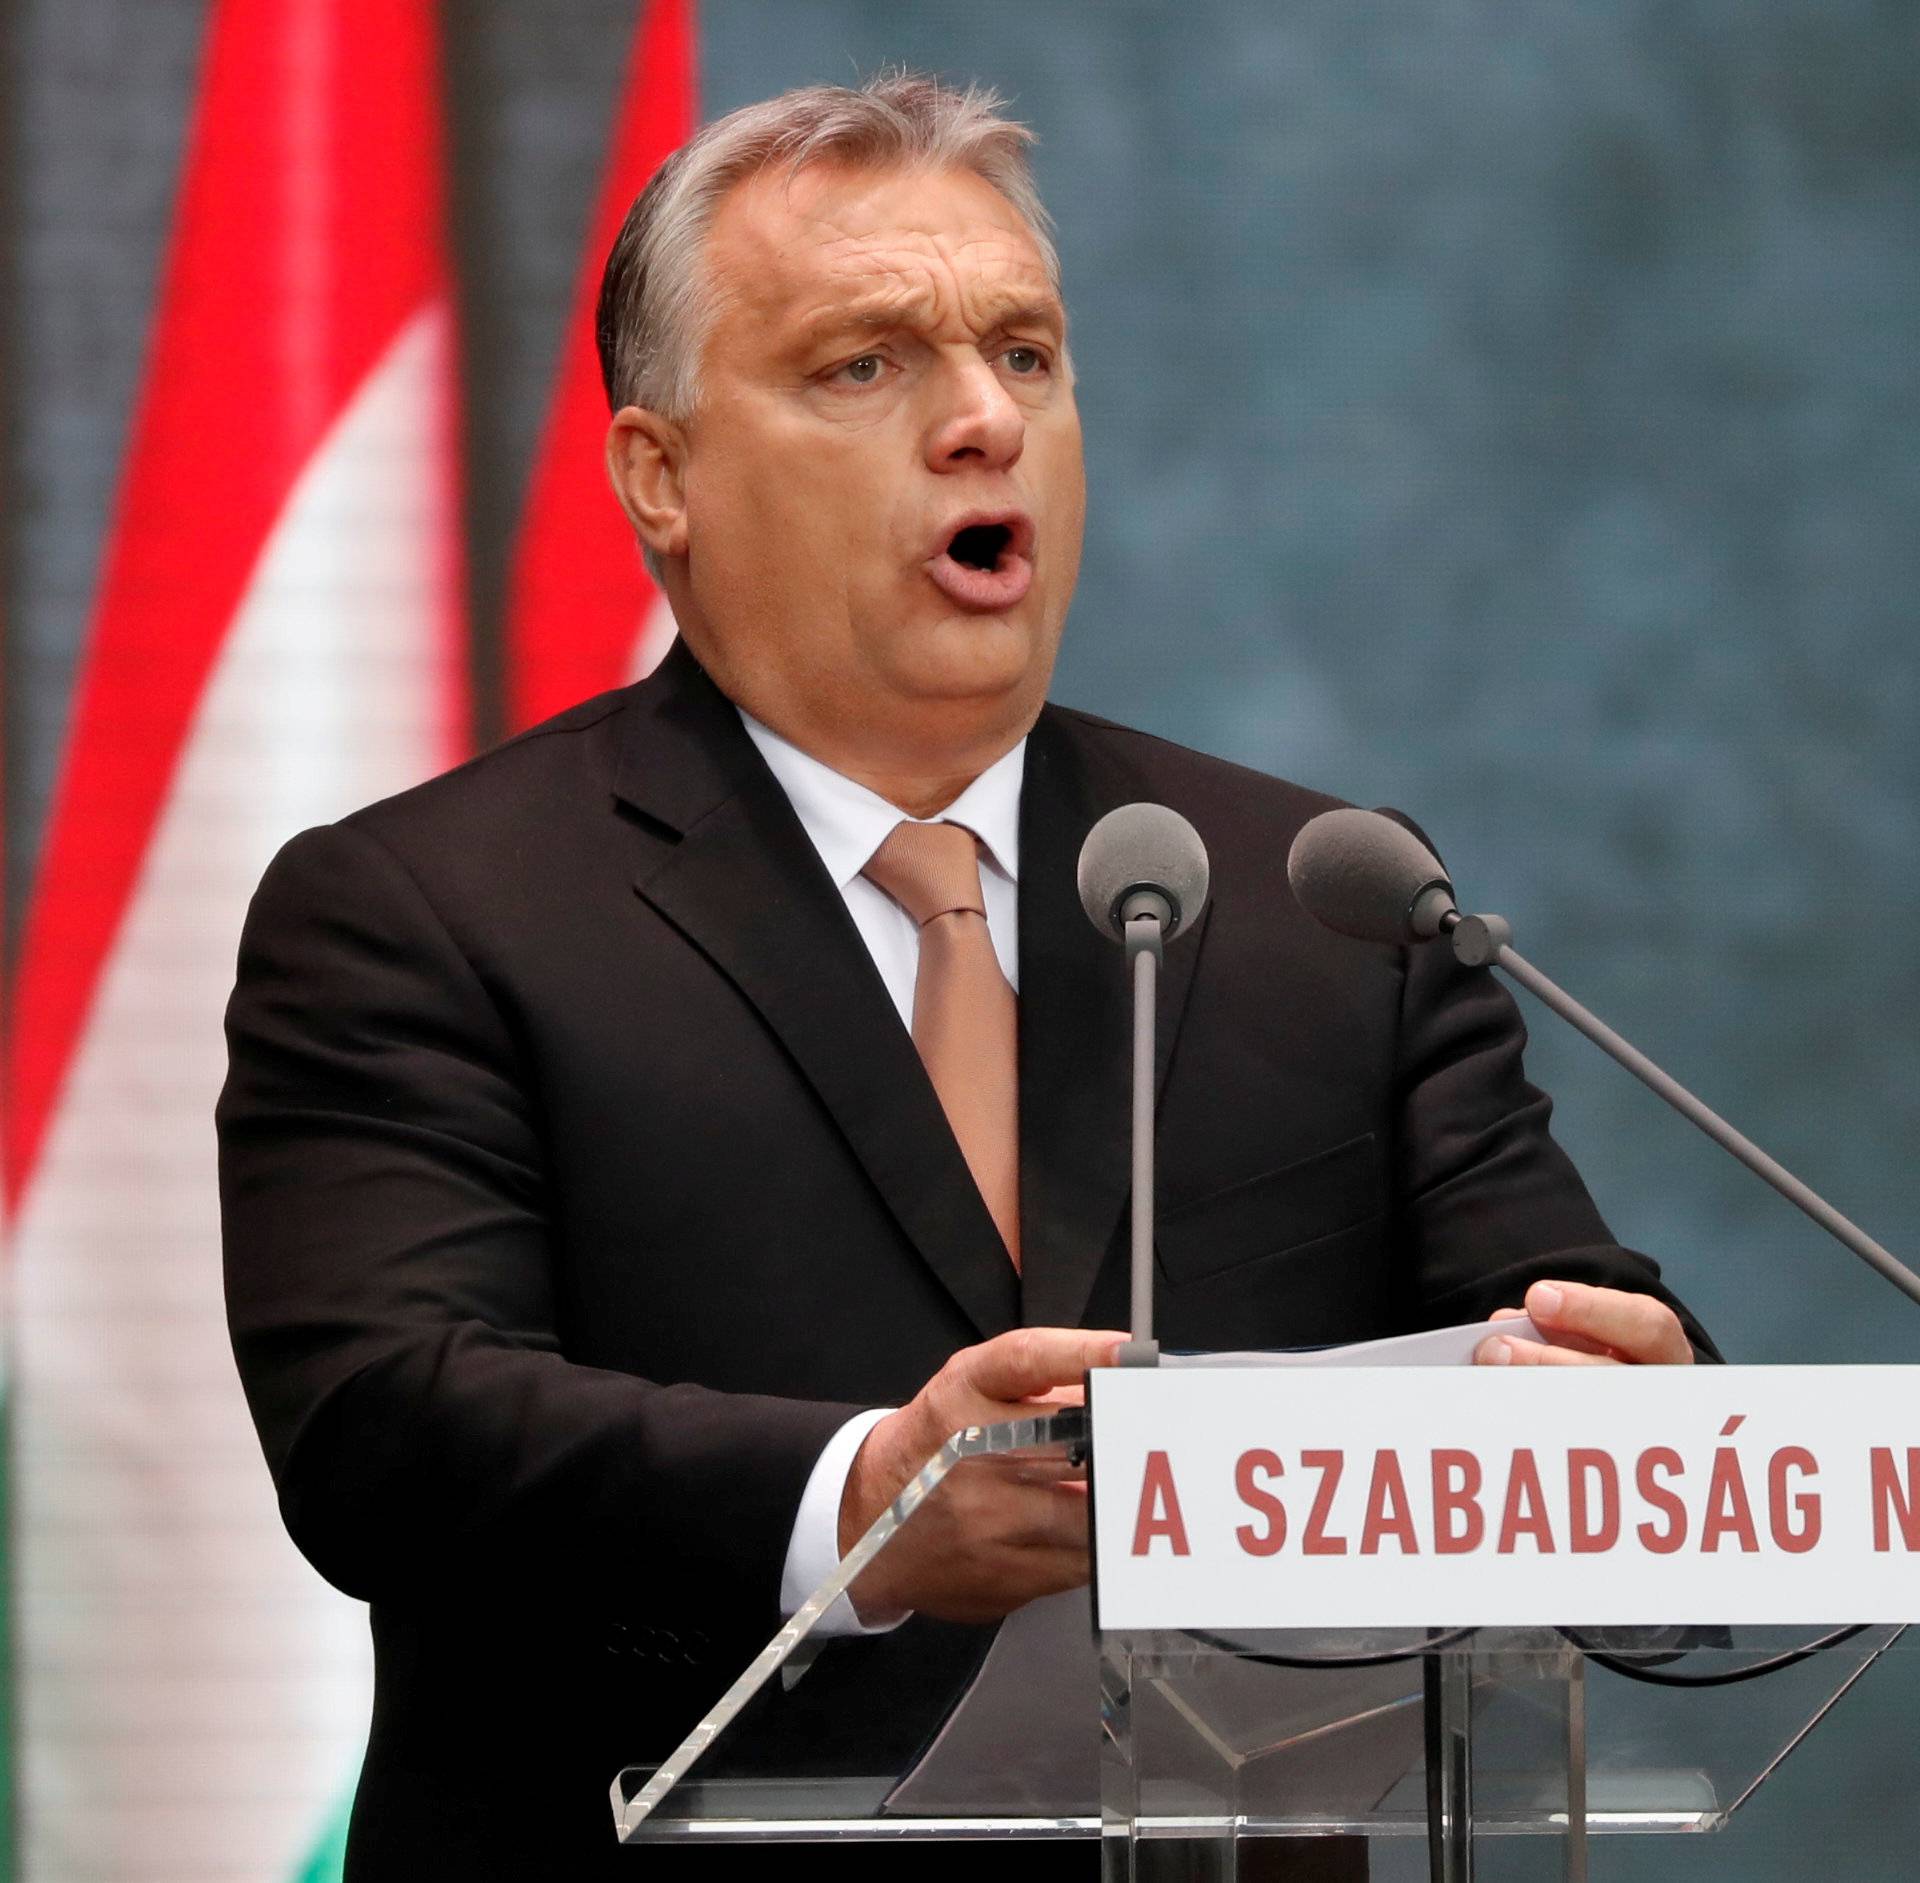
(144,1511)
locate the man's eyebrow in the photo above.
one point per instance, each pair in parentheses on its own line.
(877,316)
(862,317)
(1048,314)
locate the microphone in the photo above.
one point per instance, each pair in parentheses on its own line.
(1143,880)
(1362,874)
(1143,859)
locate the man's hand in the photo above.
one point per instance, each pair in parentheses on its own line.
(998,1532)
(1589,1326)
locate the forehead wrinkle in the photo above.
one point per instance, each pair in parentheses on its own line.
(928,282)
(1012,284)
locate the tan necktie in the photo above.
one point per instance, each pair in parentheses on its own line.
(965,1016)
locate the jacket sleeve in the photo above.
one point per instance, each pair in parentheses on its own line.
(391,1297)
(1490,1203)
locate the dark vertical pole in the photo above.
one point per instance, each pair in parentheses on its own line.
(1144,947)
(1576,1867)
(1449,1722)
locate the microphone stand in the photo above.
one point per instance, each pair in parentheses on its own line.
(1144,916)
(1487,941)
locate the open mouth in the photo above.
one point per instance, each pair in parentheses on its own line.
(984,565)
(980,545)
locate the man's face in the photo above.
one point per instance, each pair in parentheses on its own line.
(882,482)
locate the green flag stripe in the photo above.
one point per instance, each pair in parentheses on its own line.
(328,1856)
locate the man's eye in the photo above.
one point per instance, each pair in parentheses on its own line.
(1026,361)
(863,371)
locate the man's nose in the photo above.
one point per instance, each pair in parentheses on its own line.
(979,422)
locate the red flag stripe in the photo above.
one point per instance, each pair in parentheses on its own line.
(307,233)
(579,594)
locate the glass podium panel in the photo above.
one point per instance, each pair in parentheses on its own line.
(1204,1736)
(1046,1729)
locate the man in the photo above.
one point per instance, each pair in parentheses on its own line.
(630,1171)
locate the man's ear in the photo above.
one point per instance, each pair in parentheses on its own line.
(646,463)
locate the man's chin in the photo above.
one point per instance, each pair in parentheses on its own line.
(962,651)
(967,656)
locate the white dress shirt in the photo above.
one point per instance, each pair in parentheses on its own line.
(847,824)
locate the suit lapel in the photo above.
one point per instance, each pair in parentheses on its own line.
(1076,1029)
(745,886)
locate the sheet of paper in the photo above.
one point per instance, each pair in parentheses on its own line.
(1439,1346)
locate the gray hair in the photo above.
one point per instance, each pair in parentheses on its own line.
(655,310)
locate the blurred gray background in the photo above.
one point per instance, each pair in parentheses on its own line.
(1505,412)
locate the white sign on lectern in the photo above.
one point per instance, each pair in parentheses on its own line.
(1361,1497)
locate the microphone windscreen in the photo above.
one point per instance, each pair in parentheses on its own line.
(1361,874)
(1142,846)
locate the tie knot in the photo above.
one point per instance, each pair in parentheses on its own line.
(929,869)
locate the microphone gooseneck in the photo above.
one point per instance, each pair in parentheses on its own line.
(1362,874)
(1143,880)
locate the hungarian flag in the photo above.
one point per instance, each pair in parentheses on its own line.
(277,639)
(583,616)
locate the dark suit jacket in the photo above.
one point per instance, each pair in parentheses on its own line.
(580,1180)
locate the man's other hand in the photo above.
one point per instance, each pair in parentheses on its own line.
(998,1533)
(1587,1326)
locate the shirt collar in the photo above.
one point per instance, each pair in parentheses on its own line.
(848,823)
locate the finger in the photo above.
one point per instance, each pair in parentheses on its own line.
(1022,1576)
(1051,1572)
(1579,1343)
(1500,1351)
(1048,1517)
(1636,1327)
(1033,1360)
(1029,1467)
(1576,1341)
(1075,1395)
(1004,1514)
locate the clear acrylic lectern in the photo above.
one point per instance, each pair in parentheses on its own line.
(1145,1740)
